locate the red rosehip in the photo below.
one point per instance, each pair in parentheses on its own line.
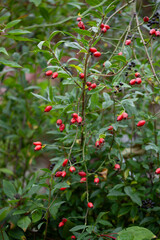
(83,27)
(120,53)
(132,82)
(104,30)
(157,33)
(117,166)
(79,120)
(48,109)
(81,24)
(55,75)
(58,174)
(64,220)
(62,127)
(128,42)
(107,27)
(83,180)
(63,174)
(101,140)
(97,54)
(157,171)
(141,123)
(110,128)
(37,143)
(73,237)
(120,117)
(59,122)
(125,115)
(49,73)
(89,89)
(90,205)
(82,174)
(81,75)
(75,115)
(96,180)
(92,50)
(61,224)
(102,25)
(137,74)
(72,169)
(138,80)
(88,84)
(152,31)
(73,120)
(62,188)
(93,85)
(37,147)
(79,19)
(146,19)
(97,144)
(65,162)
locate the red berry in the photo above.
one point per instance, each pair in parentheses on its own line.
(117,166)
(81,25)
(141,123)
(146,19)
(107,27)
(37,147)
(72,169)
(120,53)
(64,220)
(110,128)
(157,171)
(97,144)
(79,120)
(61,224)
(63,174)
(97,54)
(93,85)
(49,73)
(73,120)
(55,75)
(82,174)
(125,115)
(152,31)
(92,50)
(137,74)
(59,122)
(96,180)
(73,237)
(83,180)
(120,117)
(37,143)
(102,25)
(128,42)
(65,162)
(89,89)
(58,174)
(48,109)
(81,75)
(104,30)
(79,19)
(88,84)
(138,80)
(157,33)
(62,189)
(101,140)
(90,205)
(132,82)
(62,127)
(75,115)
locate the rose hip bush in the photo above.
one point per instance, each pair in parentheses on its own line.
(95,115)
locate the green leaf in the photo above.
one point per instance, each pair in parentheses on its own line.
(82,32)
(77,228)
(24,222)
(97,89)
(73,45)
(9,63)
(39,96)
(119,58)
(4,212)
(18,32)
(107,64)
(12,23)
(22,39)
(6,171)
(36,215)
(40,44)
(151,146)
(108,102)
(36,2)
(53,34)
(54,208)
(5,236)
(133,195)
(61,185)
(3,50)
(9,189)
(93,2)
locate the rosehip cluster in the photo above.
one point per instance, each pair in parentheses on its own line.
(99,143)
(94,52)
(124,115)
(61,224)
(38,146)
(135,81)
(104,28)
(151,22)
(61,125)
(76,119)
(91,85)
(49,73)
(80,23)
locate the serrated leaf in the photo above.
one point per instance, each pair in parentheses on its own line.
(9,189)
(10,63)
(119,58)
(12,23)
(3,50)
(135,198)
(23,223)
(151,146)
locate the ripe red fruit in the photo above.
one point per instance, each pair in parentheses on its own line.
(110,128)
(93,85)
(37,147)
(146,19)
(152,31)
(101,140)
(96,180)
(61,224)
(62,189)
(83,180)
(79,19)
(107,27)
(59,122)
(82,174)
(88,84)
(37,143)
(157,171)
(137,74)
(62,127)
(102,25)
(128,42)
(64,220)
(117,166)
(81,75)
(73,237)
(120,53)
(55,75)
(58,174)
(90,205)
(79,120)
(72,169)
(97,144)
(48,109)
(120,117)
(65,162)
(97,54)
(138,80)
(92,50)
(141,123)
(81,25)
(125,115)
(157,33)
(132,82)
(89,89)
(104,30)
(75,115)
(63,174)
(49,73)
(73,120)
